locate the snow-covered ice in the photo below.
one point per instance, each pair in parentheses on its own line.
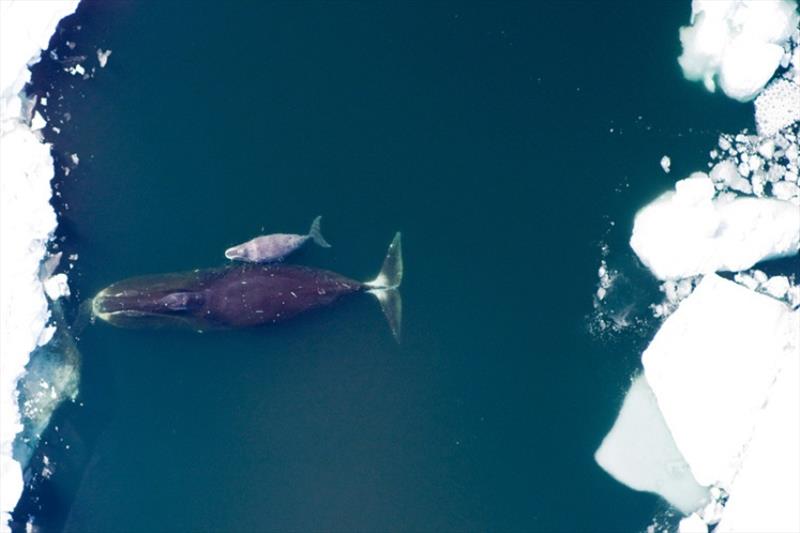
(639,451)
(689,232)
(26,218)
(692,524)
(736,43)
(56,286)
(764,495)
(712,365)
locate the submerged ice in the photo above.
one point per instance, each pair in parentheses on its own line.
(640,452)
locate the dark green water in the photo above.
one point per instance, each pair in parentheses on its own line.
(501,139)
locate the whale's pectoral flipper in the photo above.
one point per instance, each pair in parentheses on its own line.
(316,234)
(386,286)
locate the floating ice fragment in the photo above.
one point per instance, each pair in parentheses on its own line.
(38,122)
(665,163)
(767,149)
(785,190)
(777,286)
(738,42)
(725,172)
(102,57)
(687,232)
(639,451)
(56,286)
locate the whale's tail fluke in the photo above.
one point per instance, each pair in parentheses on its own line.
(386,286)
(316,234)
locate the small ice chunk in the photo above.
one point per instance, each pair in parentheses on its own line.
(38,121)
(43,100)
(760,276)
(665,163)
(639,451)
(102,57)
(777,286)
(767,149)
(75,159)
(80,70)
(56,286)
(785,190)
(724,171)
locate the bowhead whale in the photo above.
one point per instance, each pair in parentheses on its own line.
(268,248)
(243,295)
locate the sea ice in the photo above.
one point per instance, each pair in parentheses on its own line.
(711,367)
(56,286)
(26,219)
(665,163)
(692,524)
(102,57)
(688,232)
(639,451)
(764,495)
(738,43)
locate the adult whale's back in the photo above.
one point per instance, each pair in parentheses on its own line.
(242,295)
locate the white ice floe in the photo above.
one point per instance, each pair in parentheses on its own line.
(712,366)
(665,163)
(689,232)
(639,451)
(26,219)
(736,43)
(56,286)
(102,57)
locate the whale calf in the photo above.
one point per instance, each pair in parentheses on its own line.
(275,247)
(243,295)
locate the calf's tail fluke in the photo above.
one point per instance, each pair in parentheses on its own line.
(316,234)
(386,286)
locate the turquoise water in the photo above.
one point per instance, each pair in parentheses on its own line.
(506,141)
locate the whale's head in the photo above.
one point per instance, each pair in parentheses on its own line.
(151,300)
(238,253)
